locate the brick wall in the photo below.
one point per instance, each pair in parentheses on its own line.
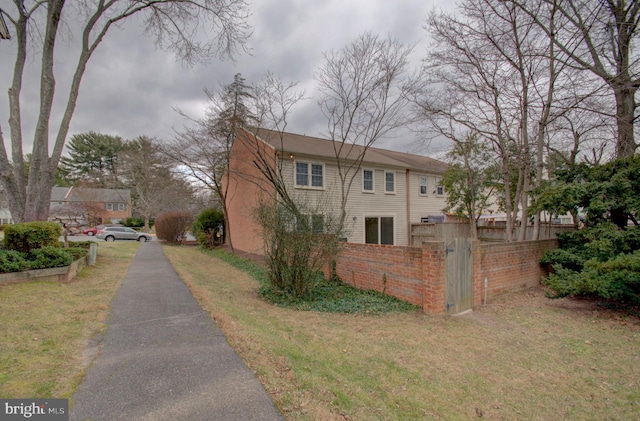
(366,266)
(246,187)
(508,266)
(417,275)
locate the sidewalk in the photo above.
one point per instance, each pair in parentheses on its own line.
(163,358)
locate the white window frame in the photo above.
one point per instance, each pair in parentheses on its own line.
(109,207)
(393,173)
(425,185)
(309,174)
(121,207)
(373,180)
(439,187)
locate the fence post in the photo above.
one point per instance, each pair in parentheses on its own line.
(433,277)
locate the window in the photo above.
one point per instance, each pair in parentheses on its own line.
(439,188)
(367,181)
(109,206)
(302,174)
(121,207)
(316,175)
(378,230)
(317,223)
(423,185)
(389,182)
(309,175)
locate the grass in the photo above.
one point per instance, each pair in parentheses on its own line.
(521,357)
(46,326)
(325,296)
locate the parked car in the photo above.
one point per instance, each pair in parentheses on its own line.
(94,230)
(121,233)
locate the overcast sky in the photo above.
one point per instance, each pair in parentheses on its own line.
(131,88)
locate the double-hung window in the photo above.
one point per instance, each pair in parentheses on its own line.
(121,207)
(309,175)
(439,188)
(423,185)
(367,181)
(389,182)
(109,206)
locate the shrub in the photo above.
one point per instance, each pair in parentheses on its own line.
(31,235)
(601,261)
(135,222)
(617,279)
(43,258)
(77,252)
(13,261)
(172,226)
(299,242)
(49,257)
(209,228)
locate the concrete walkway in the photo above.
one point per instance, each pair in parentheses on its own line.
(163,358)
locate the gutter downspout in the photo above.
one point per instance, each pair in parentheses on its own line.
(408,198)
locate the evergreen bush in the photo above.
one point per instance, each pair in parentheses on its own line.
(43,258)
(209,228)
(32,235)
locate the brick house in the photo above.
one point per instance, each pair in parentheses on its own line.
(390,191)
(90,206)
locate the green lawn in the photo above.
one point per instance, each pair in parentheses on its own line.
(521,357)
(45,327)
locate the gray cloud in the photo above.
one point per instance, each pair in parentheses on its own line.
(131,88)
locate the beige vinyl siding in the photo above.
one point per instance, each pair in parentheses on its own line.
(325,200)
(425,205)
(362,205)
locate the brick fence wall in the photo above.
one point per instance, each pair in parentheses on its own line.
(508,267)
(417,274)
(393,269)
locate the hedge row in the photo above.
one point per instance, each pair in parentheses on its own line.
(42,258)
(36,245)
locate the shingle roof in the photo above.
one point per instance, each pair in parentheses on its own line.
(314,146)
(82,194)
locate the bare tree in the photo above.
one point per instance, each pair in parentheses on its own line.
(174,23)
(148,173)
(273,100)
(479,84)
(493,72)
(365,91)
(598,36)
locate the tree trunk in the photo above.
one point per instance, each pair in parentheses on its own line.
(625,109)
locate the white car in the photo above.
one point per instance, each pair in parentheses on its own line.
(121,233)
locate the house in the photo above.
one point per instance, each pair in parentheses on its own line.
(89,206)
(390,191)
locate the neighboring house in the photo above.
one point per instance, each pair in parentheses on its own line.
(89,206)
(390,191)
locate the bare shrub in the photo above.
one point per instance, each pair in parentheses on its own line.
(173,226)
(299,242)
